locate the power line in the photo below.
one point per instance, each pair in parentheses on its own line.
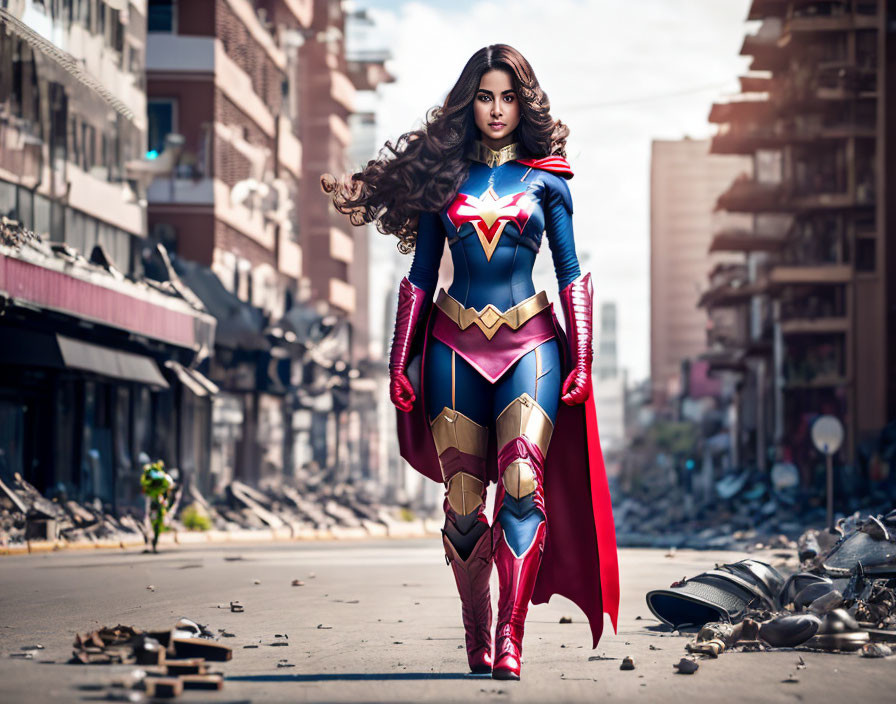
(647,98)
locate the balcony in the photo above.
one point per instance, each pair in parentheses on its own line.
(745,139)
(830,201)
(844,22)
(784,275)
(763,46)
(816,326)
(724,361)
(746,110)
(731,295)
(342,246)
(342,90)
(289,260)
(342,295)
(738,240)
(289,148)
(756,84)
(762,9)
(748,196)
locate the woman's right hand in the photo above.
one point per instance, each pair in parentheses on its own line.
(412,301)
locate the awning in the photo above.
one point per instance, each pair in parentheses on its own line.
(108,362)
(195,381)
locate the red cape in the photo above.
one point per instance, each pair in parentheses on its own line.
(579,559)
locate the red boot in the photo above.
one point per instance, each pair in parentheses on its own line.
(516,576)
(472,576)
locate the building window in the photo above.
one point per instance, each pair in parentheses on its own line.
(160,113)
(865,254)
(161,16)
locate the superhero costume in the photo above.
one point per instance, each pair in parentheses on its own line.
(486,405)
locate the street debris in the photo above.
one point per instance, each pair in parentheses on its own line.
(841,597)
(236,607)
(686,666)
(171,661)
(298,583)
(876,650)
(627,663)
(565,619)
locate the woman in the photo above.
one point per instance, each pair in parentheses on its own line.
(501,382)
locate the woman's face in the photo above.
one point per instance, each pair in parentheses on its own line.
(496,109)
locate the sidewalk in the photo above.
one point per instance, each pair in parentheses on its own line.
(397,529)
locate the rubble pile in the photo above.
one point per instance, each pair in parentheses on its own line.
(13,235)
(306,506)
(171,661)
(842,598)
(743,512)
(25,514)
(312,504)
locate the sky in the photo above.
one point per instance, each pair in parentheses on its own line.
(619,73)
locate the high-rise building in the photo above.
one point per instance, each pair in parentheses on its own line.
(606,363)
(609,381)
(685,181)
(816,286)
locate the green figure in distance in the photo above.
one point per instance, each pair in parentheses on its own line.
(156,483)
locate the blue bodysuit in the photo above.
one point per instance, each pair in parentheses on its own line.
(493,358)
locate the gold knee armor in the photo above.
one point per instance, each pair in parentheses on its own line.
(519,479)
(523,416)
(465,493)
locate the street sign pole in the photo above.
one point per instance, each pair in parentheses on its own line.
(827,436)
(830,488)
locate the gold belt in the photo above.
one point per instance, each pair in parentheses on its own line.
(490,319)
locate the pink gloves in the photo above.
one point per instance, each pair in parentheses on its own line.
(411,302)
(576,300)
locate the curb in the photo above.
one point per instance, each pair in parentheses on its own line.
(395,531)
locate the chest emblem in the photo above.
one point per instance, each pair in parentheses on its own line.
(489,215)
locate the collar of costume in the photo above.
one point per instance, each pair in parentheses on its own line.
(491,157)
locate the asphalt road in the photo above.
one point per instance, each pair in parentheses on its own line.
(377,621)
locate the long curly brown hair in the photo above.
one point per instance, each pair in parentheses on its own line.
(423,170)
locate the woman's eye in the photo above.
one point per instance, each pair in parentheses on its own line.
(508,98)
(484,98)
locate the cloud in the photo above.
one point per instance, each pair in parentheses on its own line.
(584,53)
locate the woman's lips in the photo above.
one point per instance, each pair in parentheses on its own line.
(496,125)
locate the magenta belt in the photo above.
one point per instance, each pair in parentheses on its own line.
(492,357)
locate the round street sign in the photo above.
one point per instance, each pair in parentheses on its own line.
(827,434)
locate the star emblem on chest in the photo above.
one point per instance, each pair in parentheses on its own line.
(489,214)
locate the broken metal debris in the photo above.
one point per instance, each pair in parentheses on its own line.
(841,598)
(627,663)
